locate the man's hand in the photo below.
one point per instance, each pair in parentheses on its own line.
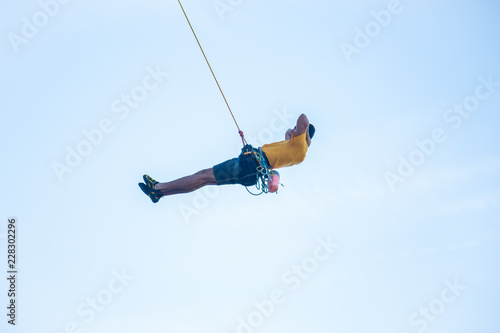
(290,133)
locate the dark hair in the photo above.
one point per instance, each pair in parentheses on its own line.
(311,131)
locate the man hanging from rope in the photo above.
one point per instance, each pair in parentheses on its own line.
(243,169)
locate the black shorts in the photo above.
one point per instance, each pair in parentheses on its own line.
(240,170)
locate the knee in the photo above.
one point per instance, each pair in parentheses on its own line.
(207,176)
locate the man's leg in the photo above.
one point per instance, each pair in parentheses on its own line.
(188,184)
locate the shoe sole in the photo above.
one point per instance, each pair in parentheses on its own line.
(147,192)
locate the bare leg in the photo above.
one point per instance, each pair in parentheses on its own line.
(188,184)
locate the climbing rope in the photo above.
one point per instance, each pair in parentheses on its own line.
(216,81)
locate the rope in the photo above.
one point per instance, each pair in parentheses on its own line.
(216,81)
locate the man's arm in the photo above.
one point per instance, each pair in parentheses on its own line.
(299,129)
(302,125)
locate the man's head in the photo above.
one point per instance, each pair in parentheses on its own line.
(312,130)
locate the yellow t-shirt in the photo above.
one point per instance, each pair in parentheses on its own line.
(286,153)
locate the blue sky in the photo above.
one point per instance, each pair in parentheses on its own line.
(95,255)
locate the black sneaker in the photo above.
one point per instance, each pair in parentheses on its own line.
(150,182)
(153,195)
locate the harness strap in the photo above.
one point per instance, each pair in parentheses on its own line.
(264,171)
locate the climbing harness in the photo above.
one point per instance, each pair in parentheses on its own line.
(267,179)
